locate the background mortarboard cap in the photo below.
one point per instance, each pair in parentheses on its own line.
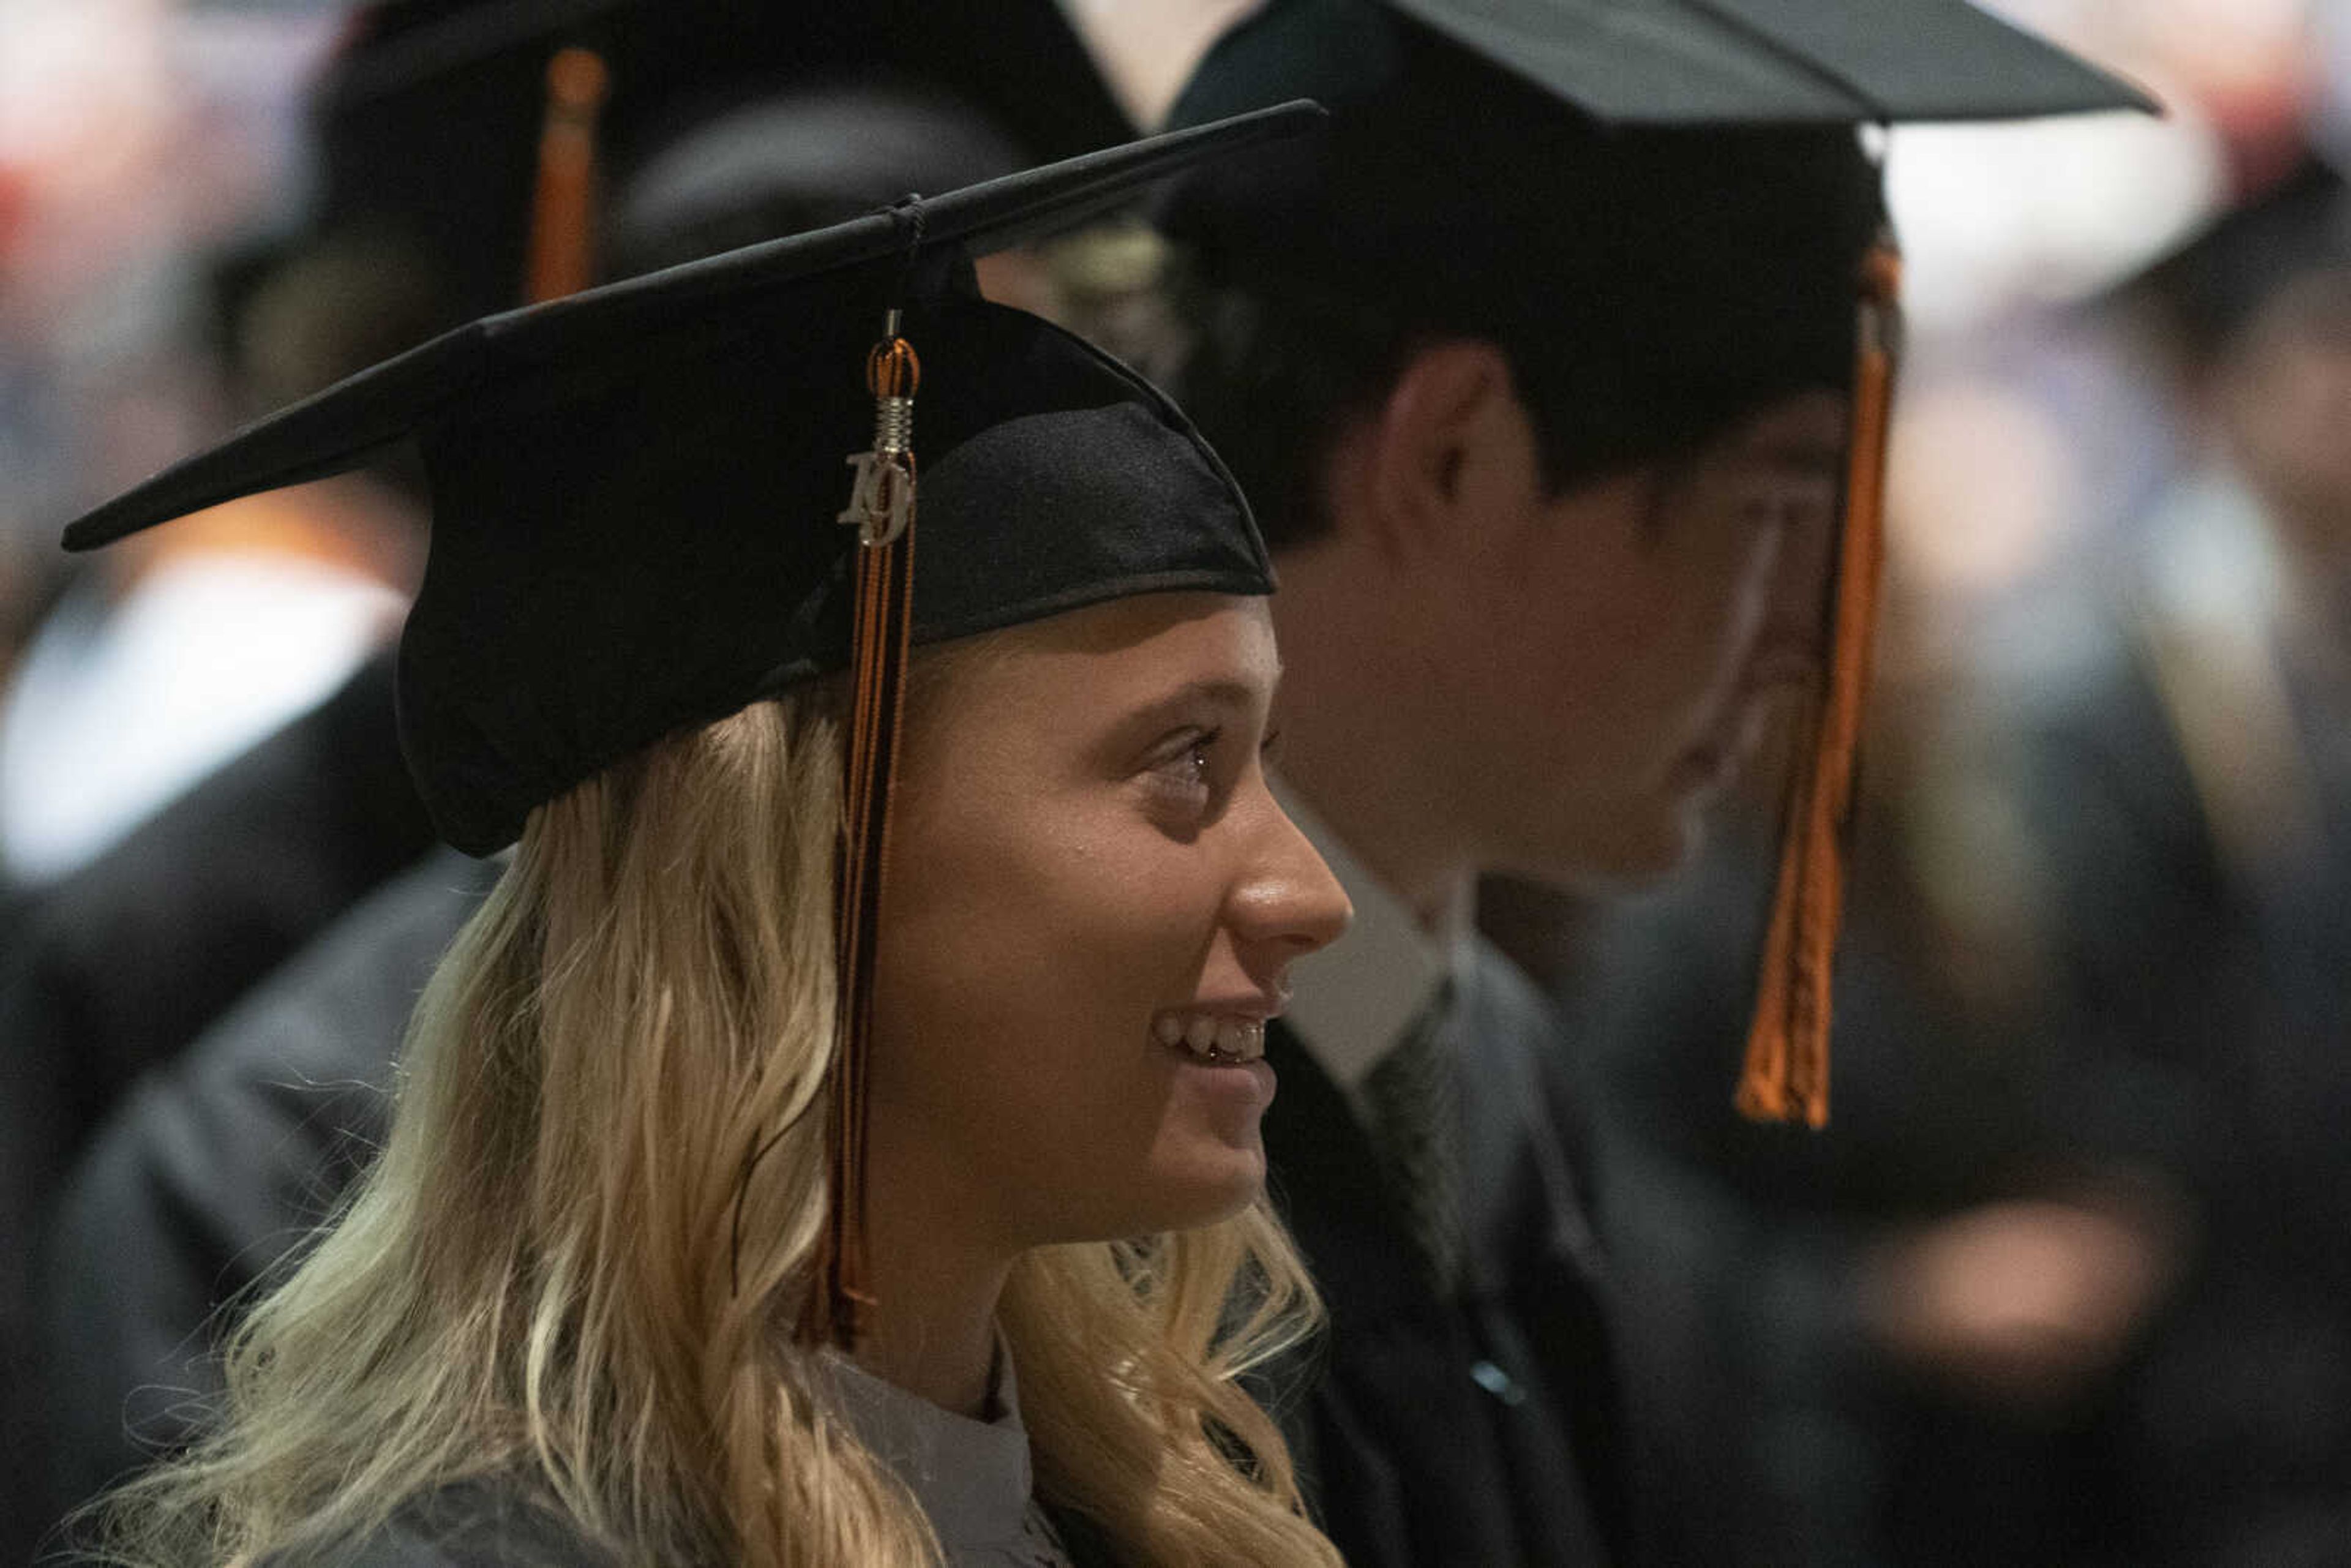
(2209,288)
(428,118)
(795,160)
(635,488)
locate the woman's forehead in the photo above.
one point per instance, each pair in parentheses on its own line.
(1149,648)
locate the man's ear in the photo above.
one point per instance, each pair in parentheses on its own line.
(1448,443)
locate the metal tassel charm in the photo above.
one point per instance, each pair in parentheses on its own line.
(881,503)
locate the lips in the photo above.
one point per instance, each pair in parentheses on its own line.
(1219,1039)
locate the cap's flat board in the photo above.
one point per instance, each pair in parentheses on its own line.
(1763,62)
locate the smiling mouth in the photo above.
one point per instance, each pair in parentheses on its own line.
(1221,1039)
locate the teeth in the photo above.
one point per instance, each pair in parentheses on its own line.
(1209,1037)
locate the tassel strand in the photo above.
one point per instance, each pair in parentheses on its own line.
(1786,1074)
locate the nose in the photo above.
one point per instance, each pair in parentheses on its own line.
(1287,904)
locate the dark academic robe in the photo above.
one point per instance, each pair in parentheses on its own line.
(485,1525)
(2207,986)
(474,1525)
(115,970)
(213,1171)
(1481,1429)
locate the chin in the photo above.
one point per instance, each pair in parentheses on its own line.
(1184,1188)
(1210,1185)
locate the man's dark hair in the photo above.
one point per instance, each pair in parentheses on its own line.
(1663,332)
(1648,286)
(1275,374)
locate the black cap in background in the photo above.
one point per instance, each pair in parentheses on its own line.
(428,118)
(2206,290)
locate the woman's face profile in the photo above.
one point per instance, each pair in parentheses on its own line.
(1090,905)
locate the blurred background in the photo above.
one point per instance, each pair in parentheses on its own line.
(2067,1281)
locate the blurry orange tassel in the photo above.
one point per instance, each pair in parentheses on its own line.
(563,204)
(1786,1076)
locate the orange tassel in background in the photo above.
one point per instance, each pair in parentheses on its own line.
(1786,1076)
(563,203)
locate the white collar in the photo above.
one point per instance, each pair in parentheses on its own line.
(1350,1004)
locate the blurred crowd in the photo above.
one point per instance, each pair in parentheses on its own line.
(2065,1279)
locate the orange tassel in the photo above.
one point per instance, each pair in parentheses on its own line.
(563,203)
(1786,1075)
(882,507)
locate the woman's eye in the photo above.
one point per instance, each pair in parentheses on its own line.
(1189,765)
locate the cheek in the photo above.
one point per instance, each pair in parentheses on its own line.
(1760,572)
(1669,653)
(1712,605)
(1024,954)
(1013,940)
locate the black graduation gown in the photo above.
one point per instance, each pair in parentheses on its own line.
(476,1524)
(483,1524)
(117,967)
(115,970)
(211,1172)
(1482,1429)
(2205,1015)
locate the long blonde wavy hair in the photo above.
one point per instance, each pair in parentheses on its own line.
(545,1276)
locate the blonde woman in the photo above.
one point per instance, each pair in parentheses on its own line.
(835,1141)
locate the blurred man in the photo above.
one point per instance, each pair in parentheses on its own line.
(1538,367)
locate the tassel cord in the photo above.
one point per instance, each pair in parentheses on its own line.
(1785,1076)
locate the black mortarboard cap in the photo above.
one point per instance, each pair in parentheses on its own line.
(1776,62)
(1662,202)
(635,488)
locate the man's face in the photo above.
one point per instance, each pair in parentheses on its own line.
(1635,630)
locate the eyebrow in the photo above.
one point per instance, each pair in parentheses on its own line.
(1229,692)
